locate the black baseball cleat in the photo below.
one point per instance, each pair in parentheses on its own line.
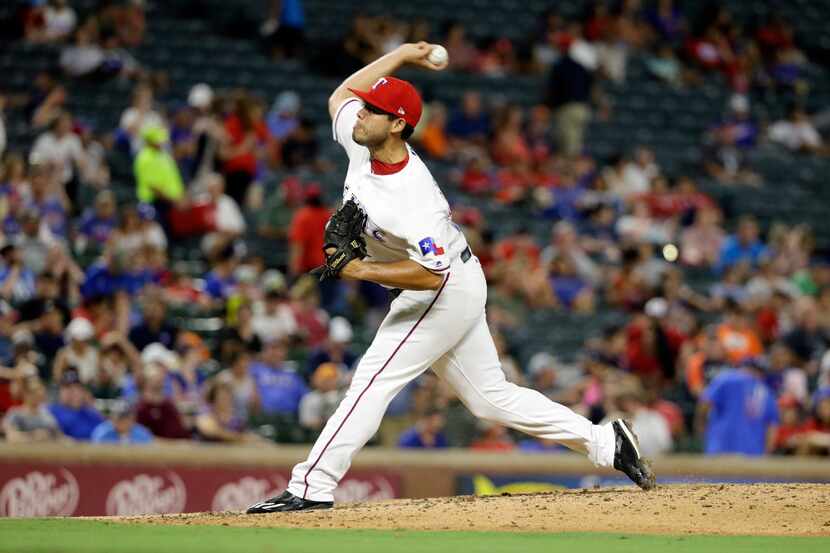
(287,502)
(627,457)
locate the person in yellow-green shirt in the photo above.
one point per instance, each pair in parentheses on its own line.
(157,176)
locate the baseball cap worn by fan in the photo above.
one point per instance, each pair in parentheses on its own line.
(201,96)
(157,353)
(394,96)
(79,329)
(340,330)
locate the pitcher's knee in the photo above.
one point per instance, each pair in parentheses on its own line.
(481,410)
(493,407)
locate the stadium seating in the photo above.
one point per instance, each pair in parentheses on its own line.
(198,49)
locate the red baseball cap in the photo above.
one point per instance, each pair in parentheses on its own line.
(394,96)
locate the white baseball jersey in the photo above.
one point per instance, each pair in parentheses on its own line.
(407,215)
(444,330)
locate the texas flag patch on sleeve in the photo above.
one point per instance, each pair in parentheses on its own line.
(429,246)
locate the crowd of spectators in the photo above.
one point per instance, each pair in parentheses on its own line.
(96,334)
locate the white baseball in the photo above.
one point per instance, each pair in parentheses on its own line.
(438,55)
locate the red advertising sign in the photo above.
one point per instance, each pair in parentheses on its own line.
(47,489)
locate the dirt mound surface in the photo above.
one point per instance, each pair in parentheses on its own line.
(759,509)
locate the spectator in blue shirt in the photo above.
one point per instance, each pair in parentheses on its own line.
(17,283)
(46,201)
(97,224)
(115,272)
(742,411)
(284,29)
(121,428)
(220,282)
(76,417)
(540,445)
(741,129)
(568,200)
(471,122)
(154,327)
(284,116)
(280,388)
(745,245)
(428,433)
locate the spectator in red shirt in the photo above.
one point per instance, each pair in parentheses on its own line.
(652,344)
(246,133)
(520,247)
(514,182)
(509,145)
(312,320)
(476,178)
(666,201)
(792,426)
(305,233)
(816,439)
(157,412)
(776,34)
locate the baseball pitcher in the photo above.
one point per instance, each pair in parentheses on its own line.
(394,228)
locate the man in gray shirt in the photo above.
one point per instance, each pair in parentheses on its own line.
(32,421)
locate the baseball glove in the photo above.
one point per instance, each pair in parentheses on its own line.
(344,234)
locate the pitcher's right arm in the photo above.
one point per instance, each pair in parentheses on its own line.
(363,79)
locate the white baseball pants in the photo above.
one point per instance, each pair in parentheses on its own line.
(446,330)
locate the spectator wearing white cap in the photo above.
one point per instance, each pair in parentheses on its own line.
(79,353)
(273,316)
(336,348)
(59,20)
(158,354)
(208,128)
(177,376)
(200,97)
(180,370)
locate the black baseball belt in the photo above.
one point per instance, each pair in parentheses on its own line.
(465,257)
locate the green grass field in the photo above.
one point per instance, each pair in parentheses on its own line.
(82,536)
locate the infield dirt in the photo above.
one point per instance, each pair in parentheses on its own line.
(724,509)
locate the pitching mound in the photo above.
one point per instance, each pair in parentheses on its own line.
(760,509)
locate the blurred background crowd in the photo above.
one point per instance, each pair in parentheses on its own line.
(642,182)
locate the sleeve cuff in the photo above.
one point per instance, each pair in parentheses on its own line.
(337,115)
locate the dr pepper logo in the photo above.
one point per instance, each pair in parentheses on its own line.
(145,494)
(40,494)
